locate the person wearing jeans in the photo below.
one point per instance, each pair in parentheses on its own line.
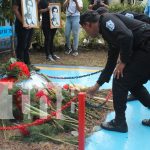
(73,8)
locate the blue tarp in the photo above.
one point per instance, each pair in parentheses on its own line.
(5,31)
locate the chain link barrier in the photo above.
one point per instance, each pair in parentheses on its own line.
(75,77)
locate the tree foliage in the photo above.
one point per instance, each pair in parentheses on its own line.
(6,11)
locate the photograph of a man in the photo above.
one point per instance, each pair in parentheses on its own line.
(28,17)
(55,20)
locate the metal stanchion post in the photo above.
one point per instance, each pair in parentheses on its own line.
(81,116)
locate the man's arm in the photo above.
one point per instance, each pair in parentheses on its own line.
(41,9)
(15,8)
(66,3)
(106,74)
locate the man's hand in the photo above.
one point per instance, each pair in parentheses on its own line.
(92,90)
(48,8)
(118,72)
(28,27)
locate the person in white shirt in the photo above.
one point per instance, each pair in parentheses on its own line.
(73,9)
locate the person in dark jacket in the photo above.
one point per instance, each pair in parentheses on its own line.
(24,36)
(129,38)
(132,15)
(49,33)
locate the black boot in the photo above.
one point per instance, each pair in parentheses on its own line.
(131,97)
(113,125)
(146,122)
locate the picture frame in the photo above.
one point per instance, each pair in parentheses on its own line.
(29,10)
(55,15)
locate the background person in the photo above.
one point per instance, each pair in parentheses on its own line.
(95,4)
(24,36)
(49,33)
(73,9)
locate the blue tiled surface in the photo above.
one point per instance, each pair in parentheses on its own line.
(88,81)
(138,137)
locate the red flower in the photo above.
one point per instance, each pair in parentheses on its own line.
(50,86)
(8,79)
(19,93)
(22,67)
(45,97)
(66,87)
(39,94)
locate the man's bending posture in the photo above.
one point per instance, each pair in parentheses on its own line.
(132,15)
(130,39)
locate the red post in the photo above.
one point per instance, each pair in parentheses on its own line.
(81,118)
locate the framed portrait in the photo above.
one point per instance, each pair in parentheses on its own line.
(30,13)
(55,15)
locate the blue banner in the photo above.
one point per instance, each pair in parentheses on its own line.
(5,31)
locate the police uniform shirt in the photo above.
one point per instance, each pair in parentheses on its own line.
(123,36)
(138,16)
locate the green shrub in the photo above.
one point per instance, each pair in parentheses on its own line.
(60,37)
(121,7)
(85,5)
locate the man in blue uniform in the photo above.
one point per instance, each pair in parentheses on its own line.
(129,38)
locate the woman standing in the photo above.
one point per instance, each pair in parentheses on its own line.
(49,33)
(73,9)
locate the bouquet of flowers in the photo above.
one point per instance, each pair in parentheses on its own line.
(14,70)
(53,98)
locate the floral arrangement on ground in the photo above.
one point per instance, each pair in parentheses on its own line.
(59,128)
